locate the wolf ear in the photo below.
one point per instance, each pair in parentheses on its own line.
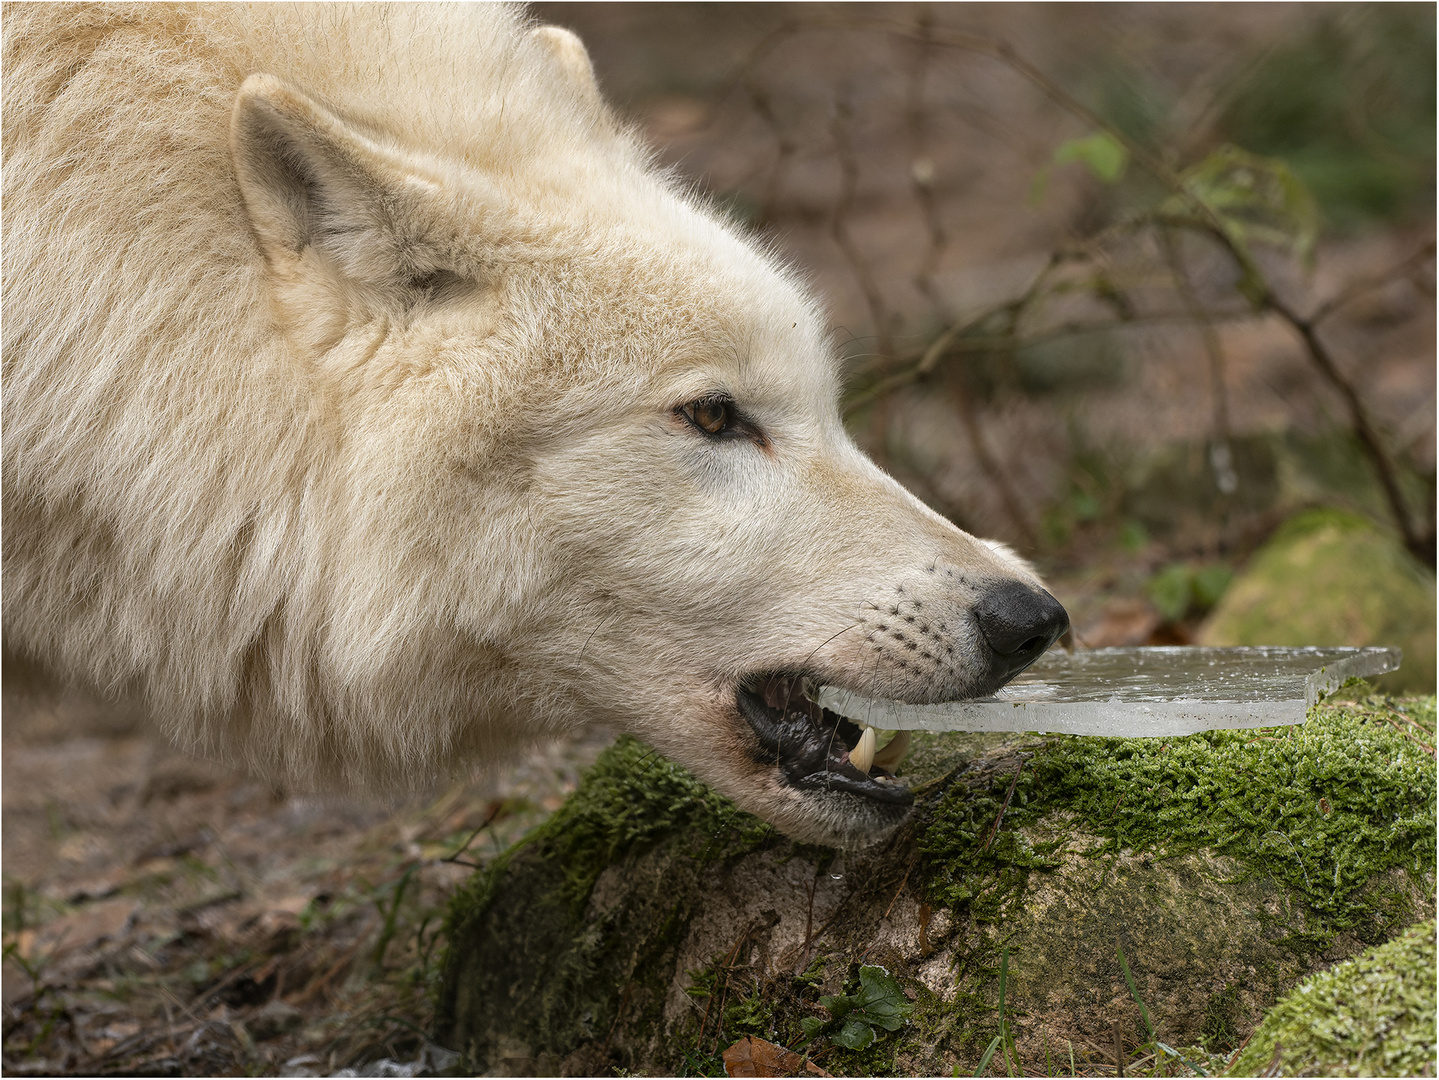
(309,179)
(568,51)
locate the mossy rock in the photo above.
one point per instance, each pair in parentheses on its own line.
(1328,577)
(1370,1016)
(648,925)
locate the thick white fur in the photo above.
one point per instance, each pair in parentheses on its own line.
(380,473)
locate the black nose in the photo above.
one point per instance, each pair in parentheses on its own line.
(1019,622)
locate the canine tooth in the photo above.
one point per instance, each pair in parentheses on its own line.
(862,756)
(894,752)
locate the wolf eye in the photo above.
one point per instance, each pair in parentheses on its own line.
(713,416)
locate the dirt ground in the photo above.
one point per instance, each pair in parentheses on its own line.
(169,916)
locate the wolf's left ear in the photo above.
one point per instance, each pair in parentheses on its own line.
(309,179)
(568,51)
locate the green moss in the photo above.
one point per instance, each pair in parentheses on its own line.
(629,798)
(562,952)
(1370,1016)
(528,954)
(970,861)
(1326,808)
(1220,1033)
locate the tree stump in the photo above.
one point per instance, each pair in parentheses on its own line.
(1053,904)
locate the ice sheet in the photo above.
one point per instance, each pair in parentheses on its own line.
(1159,691)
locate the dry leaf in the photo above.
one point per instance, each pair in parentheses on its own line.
(757,1057)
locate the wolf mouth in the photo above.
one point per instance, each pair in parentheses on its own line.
(819,750)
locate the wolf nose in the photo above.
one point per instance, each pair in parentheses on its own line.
(1019,622)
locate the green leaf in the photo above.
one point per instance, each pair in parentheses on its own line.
(1105,155)
(878,1003)
(880,999)
(1172,591)
(812,1025)
(855,1035)
(1134,992)
(984,1061)
(1102,152)
(1256,199)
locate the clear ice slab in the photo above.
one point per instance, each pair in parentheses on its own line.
(1138,692)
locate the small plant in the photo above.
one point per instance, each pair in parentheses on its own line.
(878,1003)
(1181,590)
(1158,1050)
(1004,1039)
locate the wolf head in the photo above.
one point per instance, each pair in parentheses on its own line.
(586,461)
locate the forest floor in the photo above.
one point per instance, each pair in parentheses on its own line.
(169,916)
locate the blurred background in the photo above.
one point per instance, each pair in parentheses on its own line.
(1146,291)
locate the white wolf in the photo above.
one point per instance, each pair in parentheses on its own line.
(372,406)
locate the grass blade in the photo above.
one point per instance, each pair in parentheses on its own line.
(989,1053)
(1129,980)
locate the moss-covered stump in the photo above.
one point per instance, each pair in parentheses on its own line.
(1370,1016)
(648,925)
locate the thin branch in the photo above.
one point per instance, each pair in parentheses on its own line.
(1356,288)
(921,165)
(1221,458)
(454,856)
(1420,544)
(1008,497)
(784,149)
(1205,218)
(993,829)
(840,123)
(946,345)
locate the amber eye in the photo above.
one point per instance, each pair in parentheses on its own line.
(711,415)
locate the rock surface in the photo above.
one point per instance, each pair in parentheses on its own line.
(648,926)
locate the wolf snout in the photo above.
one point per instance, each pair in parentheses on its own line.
(1019,622)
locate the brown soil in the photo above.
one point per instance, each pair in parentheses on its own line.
(170,916)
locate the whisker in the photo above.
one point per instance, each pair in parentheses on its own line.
(826,641)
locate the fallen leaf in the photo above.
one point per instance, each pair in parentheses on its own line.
(757,1057)
(82,929)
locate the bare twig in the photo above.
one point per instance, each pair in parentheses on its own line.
(1419,542)
(784,148)
(1196,214)
(454,856)
(1403,269)
(921,164)
(993,829)
(841,122)
(1221,458)
(1008,497)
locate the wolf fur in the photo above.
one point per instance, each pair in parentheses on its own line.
(346,355)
